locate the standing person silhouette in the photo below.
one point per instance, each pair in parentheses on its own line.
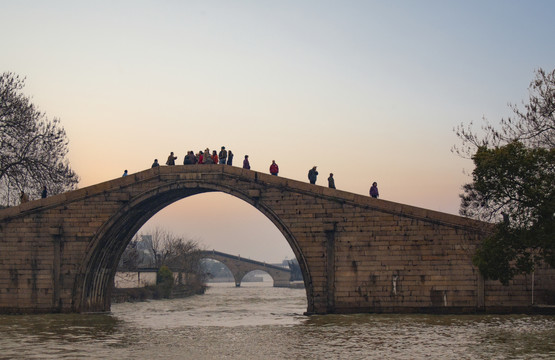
(331,182)
(223,155)
(374,190)
(171,159)
(229,158)
(274,168)
(207,158)
(23,197)
(246,164)
(312,175)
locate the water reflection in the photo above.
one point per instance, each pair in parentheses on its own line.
(452,337)
(264,322)
(52,336)
(66,327)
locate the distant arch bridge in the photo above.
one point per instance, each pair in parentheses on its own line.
(240,266)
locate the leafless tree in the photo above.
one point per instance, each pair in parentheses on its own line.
(534,126)
(184,256)
(178,253)
(34,148)
(130,259)
(158,246)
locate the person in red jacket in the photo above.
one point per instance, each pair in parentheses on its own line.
(274,169)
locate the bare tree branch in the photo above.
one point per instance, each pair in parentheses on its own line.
(34,148)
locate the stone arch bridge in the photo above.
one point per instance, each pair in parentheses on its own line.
(240,267)
(356,253)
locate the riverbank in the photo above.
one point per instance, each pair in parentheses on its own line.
(154,292)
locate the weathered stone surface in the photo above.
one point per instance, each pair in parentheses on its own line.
(357,254)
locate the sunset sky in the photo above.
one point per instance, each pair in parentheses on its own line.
(368,90)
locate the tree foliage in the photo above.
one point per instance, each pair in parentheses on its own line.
(513,185)
(34,148)
(163,248)
(164,279)
(175,251)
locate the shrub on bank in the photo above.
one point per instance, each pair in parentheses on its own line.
(164,281)
(155,292)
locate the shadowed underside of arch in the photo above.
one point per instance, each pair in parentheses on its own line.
(356,254)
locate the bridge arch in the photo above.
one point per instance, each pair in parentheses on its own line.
(254,273)
(356,253)
(240,267)
(92,289)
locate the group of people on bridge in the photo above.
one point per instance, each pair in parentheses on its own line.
(225,157)
(313,175)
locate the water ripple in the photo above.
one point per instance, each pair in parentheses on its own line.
(267,323)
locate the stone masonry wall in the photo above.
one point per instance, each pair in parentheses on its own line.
(357,254)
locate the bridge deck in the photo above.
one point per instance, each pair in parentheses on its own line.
(196,172)
(239,258)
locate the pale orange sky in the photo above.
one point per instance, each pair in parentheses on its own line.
(368,90)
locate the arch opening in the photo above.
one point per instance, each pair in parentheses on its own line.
(257,277)
(241,269)
(216,271)
(92,290)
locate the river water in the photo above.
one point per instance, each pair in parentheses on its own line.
(257,321)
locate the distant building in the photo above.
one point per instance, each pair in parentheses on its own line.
(144,247)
